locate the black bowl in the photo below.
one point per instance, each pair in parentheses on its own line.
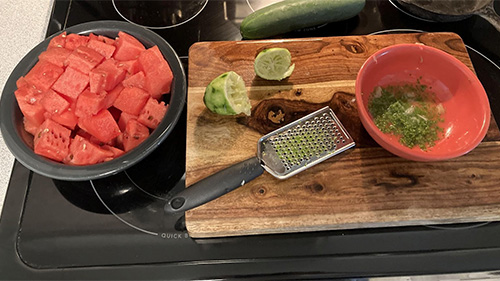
(20,142)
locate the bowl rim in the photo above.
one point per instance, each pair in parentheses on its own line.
(412,154)
(55,170)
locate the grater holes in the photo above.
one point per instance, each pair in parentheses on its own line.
(306,141)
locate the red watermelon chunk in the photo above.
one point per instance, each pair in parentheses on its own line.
(84,152)
(71,83)
(127,47)
(96,82)
(66,118)
(132,66)
(157,71)
(52,140)
(134,134)
(152,113)
(131,100)
(73,41)
(28,99)
(21,82)
(106,76)
(116,151)
(43,75)
(113,95)
(92,36)
(136,80)
(106,50)
(106,40)
(102,126)
(101,38)
(58,42)
(96,141)
(56,56)
(53,102)
(124,118)
(89,103)
(83,59)
(30,127)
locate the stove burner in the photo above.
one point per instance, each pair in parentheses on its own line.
(423,15)
(141,210)
(157,14)
(137,196)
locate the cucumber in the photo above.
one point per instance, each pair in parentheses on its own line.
(289,15)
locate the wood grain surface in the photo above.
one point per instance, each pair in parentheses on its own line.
(363,187)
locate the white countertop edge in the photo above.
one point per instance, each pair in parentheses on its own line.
(23,24)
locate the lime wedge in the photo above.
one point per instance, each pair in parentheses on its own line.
(227,95)
(274,64)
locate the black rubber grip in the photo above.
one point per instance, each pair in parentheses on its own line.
(215,186)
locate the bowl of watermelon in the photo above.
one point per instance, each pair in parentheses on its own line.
(92,100)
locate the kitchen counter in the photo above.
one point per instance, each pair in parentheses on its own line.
(23,25)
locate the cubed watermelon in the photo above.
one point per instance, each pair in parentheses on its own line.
(127,47)
(131,66)
(124,118)
(119,141)
(106,50)
(30,127)
(43,75)
(92,36)
(71,83)
(73,41)
(83,59)
(84,152)
(106,76)
(136,80)
(96,82)
(81,132)
(116,151)
(96,141)
(52,140)
(102,126)
(66,118)
(112,95)
(21,82)
(58,42)
(53,102)
(89,103)
(106,40)
(131,100)
(135,133)
(55,56)
(66,94)
(157,71)
(152,113)
(28,99)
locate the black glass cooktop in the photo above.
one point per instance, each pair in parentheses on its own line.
(115,228)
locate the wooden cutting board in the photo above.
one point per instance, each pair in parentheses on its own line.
(361,188)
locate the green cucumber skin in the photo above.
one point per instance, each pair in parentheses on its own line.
(289,15)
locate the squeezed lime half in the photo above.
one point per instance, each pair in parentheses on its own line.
(274,64)
(227,95)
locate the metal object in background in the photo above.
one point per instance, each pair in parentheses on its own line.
(453,10)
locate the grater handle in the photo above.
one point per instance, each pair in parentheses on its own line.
(215,185)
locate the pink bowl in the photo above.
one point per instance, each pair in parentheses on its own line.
(467,109)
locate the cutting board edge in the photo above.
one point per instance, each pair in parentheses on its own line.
(352,226)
